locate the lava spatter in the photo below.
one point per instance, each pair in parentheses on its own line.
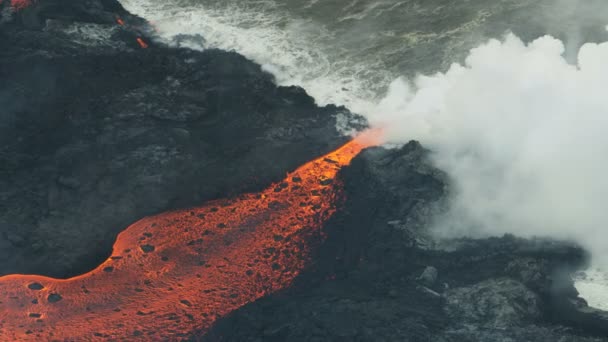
(142,43)
(20,4)
(178,272)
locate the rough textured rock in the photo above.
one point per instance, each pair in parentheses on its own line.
(428,276)
(366,284)
(494,304)
(96,133)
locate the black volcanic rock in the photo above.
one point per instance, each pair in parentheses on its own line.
(365,283)
(96,132)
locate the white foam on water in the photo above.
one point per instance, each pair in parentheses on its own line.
(522,134)
(288,48)
(593,286)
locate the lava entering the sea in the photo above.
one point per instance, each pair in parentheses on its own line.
(178,272)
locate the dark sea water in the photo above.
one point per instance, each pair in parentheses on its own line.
(348,51)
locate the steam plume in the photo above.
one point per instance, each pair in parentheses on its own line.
(522,133)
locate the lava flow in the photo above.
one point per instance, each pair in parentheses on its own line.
(142,43)
(178,272)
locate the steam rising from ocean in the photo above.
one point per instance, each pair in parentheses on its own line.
(523,136)
(522,132)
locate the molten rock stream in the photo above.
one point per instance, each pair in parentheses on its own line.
(178,272)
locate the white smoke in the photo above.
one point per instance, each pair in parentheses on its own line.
(523,136)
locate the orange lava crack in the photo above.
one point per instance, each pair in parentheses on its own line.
(142,43)
(20,4)
(178,272)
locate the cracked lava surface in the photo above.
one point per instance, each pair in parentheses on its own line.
(178,272)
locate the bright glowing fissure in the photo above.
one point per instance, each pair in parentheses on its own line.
(178,272)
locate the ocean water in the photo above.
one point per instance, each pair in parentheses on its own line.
(363,54)
(349,51)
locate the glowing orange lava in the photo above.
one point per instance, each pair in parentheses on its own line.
(142,43)
(178,272)
(20,4)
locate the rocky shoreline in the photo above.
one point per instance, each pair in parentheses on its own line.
(98,131)
(379,276)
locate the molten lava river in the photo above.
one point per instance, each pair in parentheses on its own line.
(178,272)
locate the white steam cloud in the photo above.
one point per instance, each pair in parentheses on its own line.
(523,136)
